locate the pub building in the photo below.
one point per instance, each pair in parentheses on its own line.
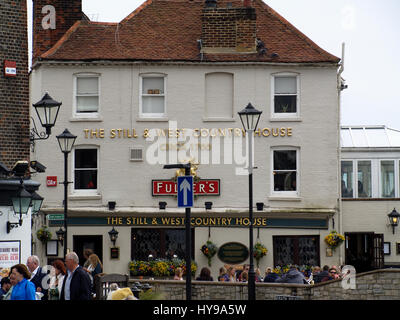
(164,86)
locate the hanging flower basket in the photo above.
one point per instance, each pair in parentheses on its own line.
(259,251)
(209,250)
(334,239)
(43,234)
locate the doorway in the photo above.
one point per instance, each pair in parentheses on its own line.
(364,251)
(88,242)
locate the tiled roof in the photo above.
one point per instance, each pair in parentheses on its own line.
(168,30)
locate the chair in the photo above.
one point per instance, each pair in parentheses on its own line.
(103,281)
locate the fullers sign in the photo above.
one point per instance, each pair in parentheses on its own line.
(203,187)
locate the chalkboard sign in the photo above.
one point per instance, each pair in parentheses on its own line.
(233,252)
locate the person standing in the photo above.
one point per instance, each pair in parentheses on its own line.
(205,275)
(76,285)
(24,289)
(57,280)
(37,275)
(95,266)
(86,254)
(13,282)
(5,285)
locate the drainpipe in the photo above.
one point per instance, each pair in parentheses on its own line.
(340,215)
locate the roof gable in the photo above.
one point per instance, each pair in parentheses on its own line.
(168,30)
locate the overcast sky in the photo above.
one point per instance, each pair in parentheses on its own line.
(369,28)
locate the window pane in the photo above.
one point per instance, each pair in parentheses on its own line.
(285,85)
(87,104)
(387,179)
(153,84)
(285,160)
(285,104)
(85,179)
(347,179)
(153,104)
(87,85)
(364,179)
(285,181)
(86,158)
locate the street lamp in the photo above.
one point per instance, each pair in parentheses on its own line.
(47,111)
(250,117)
(37,201)
(60,235)
(394,218)
(66,141)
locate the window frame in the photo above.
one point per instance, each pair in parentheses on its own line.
(143,76)
(289,194)
(88,115)
(85,192)
(395,178)
(283,115)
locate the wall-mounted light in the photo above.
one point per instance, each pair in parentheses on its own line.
(162,205)
(37,201)
(21,202)
(208,205)
(60,235)
(394,218)
(113,235)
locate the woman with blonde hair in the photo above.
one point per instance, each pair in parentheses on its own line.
(95,266)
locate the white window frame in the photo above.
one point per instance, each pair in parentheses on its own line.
(282,115)
(396,178)
(354,171)
(141,95)
(89,115)
(290,194)
(84,192)
(355,176)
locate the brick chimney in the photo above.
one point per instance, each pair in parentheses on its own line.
(51,20)
(228,30)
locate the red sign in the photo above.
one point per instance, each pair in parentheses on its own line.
(51,181)
(204,187)
(10,68)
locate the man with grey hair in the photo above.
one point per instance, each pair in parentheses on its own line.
(37,276)
(77,283)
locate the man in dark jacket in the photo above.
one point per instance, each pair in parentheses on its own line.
(292,276)
(37,276)
(323,275)
(76,285)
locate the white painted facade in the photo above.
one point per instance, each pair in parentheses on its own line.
(314,133)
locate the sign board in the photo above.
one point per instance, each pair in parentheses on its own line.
(51,181)
(233,252)
(10,68)
(203,187)
(53,217)
(10,254)
(185,191)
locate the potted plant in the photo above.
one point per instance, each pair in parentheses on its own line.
(209,249)
(334,239)
(259,251)
(44,234)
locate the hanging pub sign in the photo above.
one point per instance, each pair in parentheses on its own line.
(202,187)
(233,253)
(10,68)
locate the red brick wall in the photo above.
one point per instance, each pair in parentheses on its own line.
(233,28)
(67,12)
(14,91)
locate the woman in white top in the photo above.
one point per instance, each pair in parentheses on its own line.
(57,279)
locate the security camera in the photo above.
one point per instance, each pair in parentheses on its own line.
(20,168)
(36,165)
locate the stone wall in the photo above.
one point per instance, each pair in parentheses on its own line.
(374,285)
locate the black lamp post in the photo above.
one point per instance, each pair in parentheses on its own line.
(250,117)
(188,238)
(394,218)
(21,202)
(113,235)
(66,141)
